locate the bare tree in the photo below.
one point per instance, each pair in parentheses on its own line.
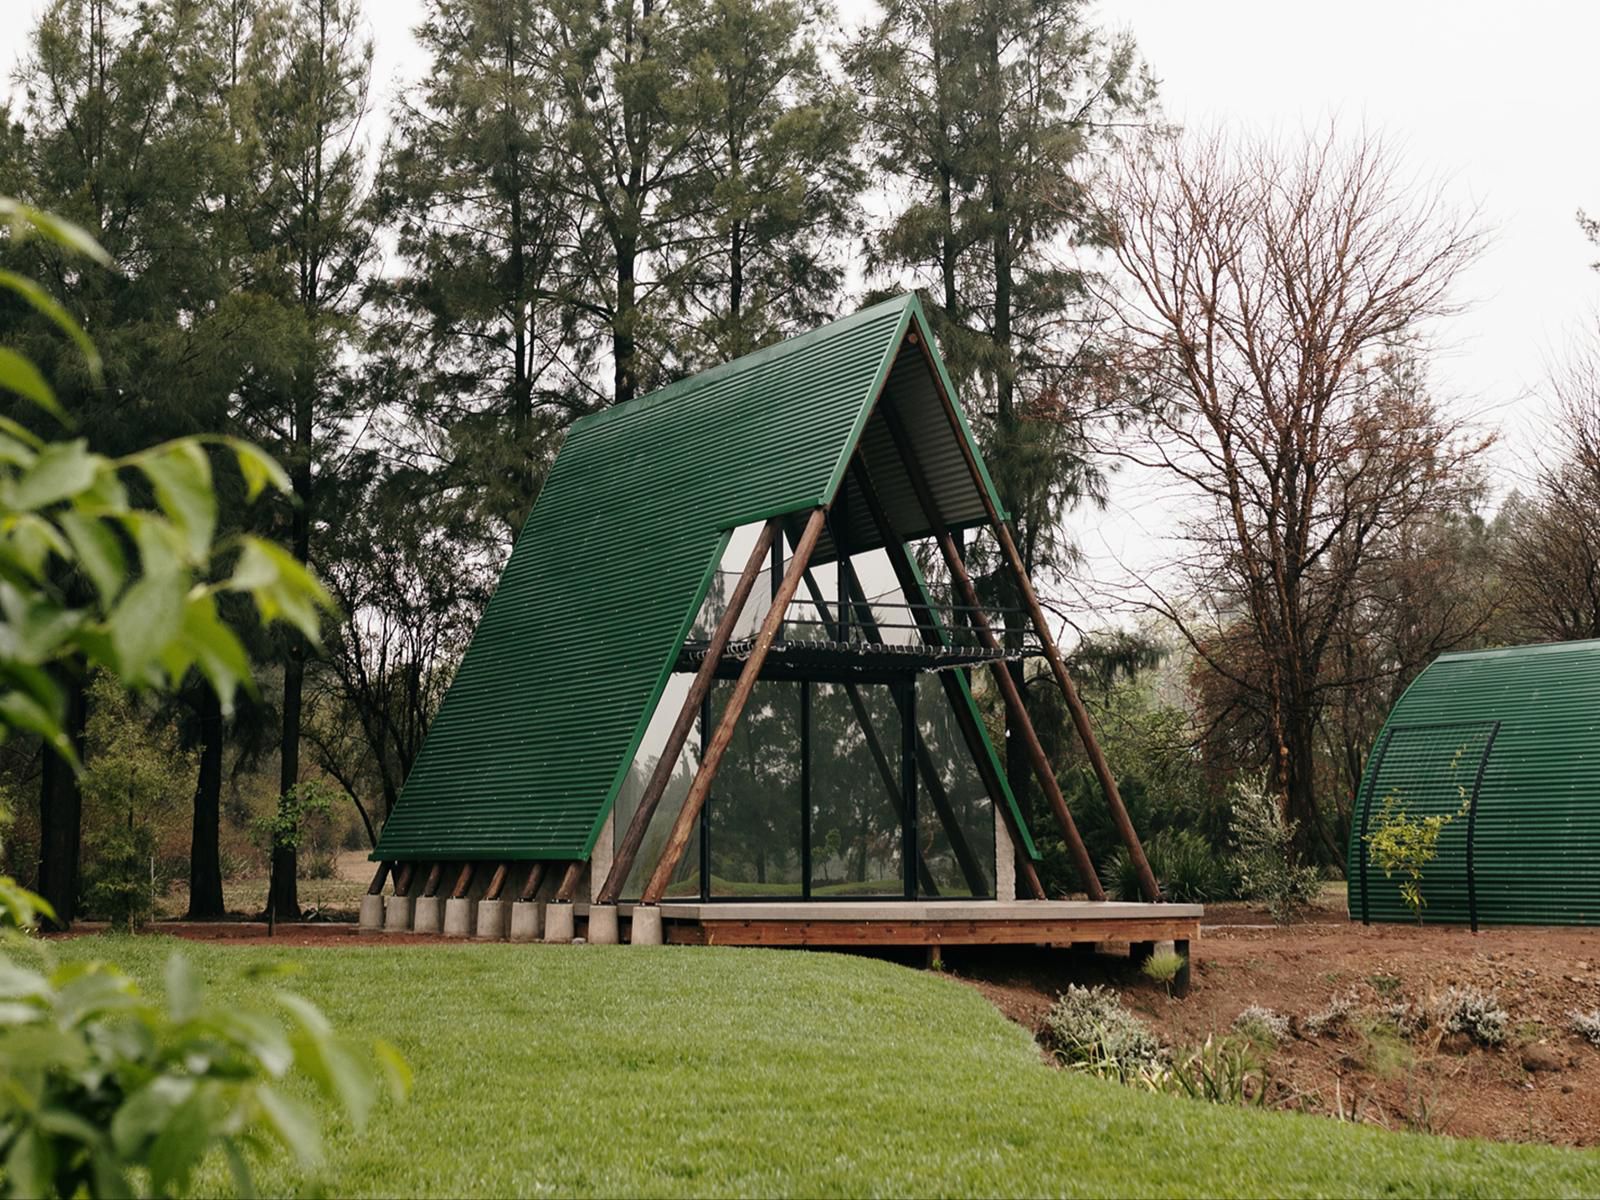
(1275,297)
(1553,556)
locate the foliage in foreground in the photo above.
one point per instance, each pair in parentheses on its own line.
(108,1092)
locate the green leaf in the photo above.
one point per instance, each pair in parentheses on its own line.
(281,586)
(181,1144)
(148,1111)
(24,713)
(46,304)
(215,648)
(184,990)
(396,1070)
(98,551)
(109,1181)
(180,472)
(30,1167)
(23,378)
(259,468)
(244,1184)
(145,621)
(58,229)
(62,469)
(292,1123)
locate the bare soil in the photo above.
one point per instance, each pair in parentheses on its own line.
(1541,1085)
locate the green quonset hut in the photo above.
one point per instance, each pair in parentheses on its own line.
(1509,741)
(714,694)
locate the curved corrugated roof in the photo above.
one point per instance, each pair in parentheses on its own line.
(1519,729)
(570,657)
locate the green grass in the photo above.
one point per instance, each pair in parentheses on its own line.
(595,1070)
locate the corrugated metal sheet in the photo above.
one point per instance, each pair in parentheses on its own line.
(1520,729)
(547,708)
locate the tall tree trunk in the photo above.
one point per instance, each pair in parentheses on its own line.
(61,811)
(205,852)
(626,381)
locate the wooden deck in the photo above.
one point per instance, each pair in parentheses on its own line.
(925,923)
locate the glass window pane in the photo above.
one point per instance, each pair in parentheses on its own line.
(855,797)
(955,817)
(755,807)
(686,879)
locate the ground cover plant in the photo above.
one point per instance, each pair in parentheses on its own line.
(635,1071)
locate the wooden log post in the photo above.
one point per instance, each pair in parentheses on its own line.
(430,886)
(463,880)
(1081,721)
(633,838)
(567,892)
(1185,976)
(375,888)
(1015,706)
(911,586)
(497,882)
(530,887)
(683,827)
(402,880)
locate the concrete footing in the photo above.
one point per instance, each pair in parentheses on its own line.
(397,914)
(492,918)
(371,912)
(458,917)
(646,925)
(602,925)
(427,916)
(558,925)
(527,921)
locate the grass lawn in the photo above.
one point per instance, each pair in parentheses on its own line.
(629,1071)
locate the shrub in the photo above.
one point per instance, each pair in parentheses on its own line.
(1332,1018)
(1184,864)
(1399,842)
(1262,1025)
(1587,1025)
(1088,1028)
(1475,1013)
(119,883)
(1268,868)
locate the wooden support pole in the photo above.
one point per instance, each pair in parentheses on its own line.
(1015,706)
(568,891)
(431,884)
(402,880)
(1185,975)
(911,586)
(530,888)
(628,851)
(683,827)
(1080,719)
(375,888)
(1075,706)
(463,881)
(497,882)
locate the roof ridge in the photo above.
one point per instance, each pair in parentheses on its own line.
(1568,647)
(756,358)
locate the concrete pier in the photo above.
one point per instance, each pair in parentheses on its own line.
(458,917)
(427,916)
(602,925)
(371,913)
(492,918)
(527,920)
(558,923)
(646,925)
(397,914)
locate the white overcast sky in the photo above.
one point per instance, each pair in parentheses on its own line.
(1501,101)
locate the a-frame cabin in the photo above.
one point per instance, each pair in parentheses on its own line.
(714,699)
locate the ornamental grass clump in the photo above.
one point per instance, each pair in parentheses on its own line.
(1262,1025)
(1089,1029)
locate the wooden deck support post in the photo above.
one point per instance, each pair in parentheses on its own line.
(402,879)
(375,888)
(628,851)
(497,882)
(1081,721)
(1002,676)
(1185,976)
(683,827)
(530,887)
(567,892)
(463,880)
(430,885)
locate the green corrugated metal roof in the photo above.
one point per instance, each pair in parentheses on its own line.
(569,659)
(1527,718)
